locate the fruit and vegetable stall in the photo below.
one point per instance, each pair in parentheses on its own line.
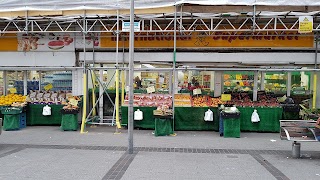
(189,111)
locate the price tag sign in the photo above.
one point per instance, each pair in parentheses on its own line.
(48,87)
(197,91)
(226,97)
(13,90)
(151,89)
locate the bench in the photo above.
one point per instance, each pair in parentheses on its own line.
(297,131)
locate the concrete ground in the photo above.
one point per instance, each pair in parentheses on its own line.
(45,152)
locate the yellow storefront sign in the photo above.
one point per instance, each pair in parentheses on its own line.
(305,24)
(218,39)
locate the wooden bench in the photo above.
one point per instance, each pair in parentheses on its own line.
(297,131)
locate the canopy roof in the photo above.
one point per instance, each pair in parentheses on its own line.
(21,5)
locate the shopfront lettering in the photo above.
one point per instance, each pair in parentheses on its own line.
(230,37)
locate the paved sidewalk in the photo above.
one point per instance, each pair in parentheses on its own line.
(45,152)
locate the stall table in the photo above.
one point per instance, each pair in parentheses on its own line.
(35,117)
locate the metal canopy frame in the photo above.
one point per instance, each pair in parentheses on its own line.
(187,23)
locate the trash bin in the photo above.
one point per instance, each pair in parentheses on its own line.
(69,121)
(11,118)
(163,125)
(230,124)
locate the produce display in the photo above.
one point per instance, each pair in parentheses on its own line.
(214,102)
(13,100)
(182,100)
(200,101)
(150,100)
(49,97)
(163,110)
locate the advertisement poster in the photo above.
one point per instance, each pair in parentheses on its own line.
(46,42)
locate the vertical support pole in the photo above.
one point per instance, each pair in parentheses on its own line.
(84,110)
(314,97)
(123,84)
(117,76)
(263,77)
(40,79)
(101,91)
(5,83)
(93,93)
(131,74)
(175,79)
(25,83)
(255,86)
(289,82)
(254,18)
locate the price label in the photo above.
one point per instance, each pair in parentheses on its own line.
(13,90)
(226,97)
(48,87)
(151,89)
(197,91)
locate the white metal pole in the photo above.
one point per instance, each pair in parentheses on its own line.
(101,91)
(5,83)
(131,74)
(255,86)
(25,83)
(263,77)
(289,79)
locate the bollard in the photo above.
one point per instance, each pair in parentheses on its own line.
(296,149)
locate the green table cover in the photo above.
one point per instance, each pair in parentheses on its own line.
(269,119)
(163,127)
(290,115)
(231,127)
(192,118)
(69,122)
(11,122)
(146,123)
(35,117)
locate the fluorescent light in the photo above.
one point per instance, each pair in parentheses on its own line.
(148,66)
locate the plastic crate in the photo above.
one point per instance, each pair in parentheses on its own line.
(23,120)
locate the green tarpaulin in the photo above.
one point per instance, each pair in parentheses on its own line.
(163,127)
(146,123)
(11,122)
(231,127)
(35,117)
(269,119)
(290,115)
(69,122)
(192,118)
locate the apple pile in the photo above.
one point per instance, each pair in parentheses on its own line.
(214,102)
(199,101)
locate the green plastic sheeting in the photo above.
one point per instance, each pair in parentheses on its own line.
(163,127)
(146,123)
(192,118)
(35,117)
(269,119)
(231,127)
(290,115)
(69,122)
(11,122)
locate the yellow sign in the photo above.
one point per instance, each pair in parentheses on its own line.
(218,39)
(225,97)
(48,87)
(305,24)
(13,90)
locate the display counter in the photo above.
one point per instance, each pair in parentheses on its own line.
(192,119)
(35,117)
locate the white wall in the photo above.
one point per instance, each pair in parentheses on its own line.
(245,58)
(55,59)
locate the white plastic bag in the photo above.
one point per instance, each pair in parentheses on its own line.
(208,116)
(46,111)
(255,116)
(138,115)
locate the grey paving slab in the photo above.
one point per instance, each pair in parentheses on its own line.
(57,164)
(296,169)
(157,165)
(104,136)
